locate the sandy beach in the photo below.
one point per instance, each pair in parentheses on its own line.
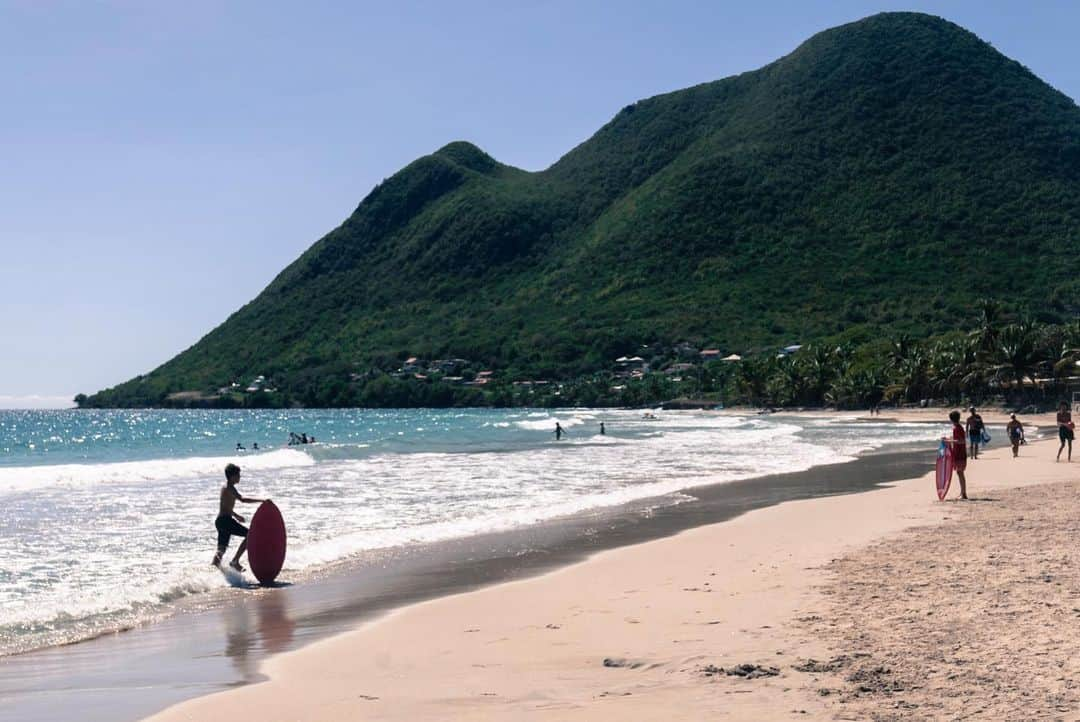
(545,361)
(856,606)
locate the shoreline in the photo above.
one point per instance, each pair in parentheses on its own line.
(640,632)
(156,665)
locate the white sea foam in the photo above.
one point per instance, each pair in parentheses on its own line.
(338,503)
(32,477)
(548,422)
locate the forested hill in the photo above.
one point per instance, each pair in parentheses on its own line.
(877,180)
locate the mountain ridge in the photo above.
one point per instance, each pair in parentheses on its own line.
(878,151)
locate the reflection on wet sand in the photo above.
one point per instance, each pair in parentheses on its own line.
(273,630)
(275,627)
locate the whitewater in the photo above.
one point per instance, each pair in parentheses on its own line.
(106,517)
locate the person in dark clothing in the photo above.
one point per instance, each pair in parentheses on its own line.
(1066,432)
(974,432)
(1015,430)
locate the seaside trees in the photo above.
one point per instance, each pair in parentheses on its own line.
(1021,360)
(1006,355)
(1015,357)
(990,313)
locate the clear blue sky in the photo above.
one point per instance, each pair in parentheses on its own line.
(162,161)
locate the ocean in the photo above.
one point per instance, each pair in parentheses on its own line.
(106,517)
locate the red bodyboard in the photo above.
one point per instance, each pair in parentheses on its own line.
(266,543)
(943,473)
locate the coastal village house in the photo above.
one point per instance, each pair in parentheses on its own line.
(685,350)
(483,378)
(679,368)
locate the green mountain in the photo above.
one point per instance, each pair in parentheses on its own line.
(879,179)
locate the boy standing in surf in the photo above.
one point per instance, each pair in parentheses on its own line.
(958,448)
(228,521)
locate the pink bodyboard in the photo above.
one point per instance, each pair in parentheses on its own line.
(943,472)
(266,543)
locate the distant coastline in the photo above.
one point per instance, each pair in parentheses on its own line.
(1007,359)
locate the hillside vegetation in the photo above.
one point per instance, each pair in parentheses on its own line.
(879,180)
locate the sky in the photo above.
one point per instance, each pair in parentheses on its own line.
(163,161)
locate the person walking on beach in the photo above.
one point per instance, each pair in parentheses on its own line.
(974,432)
(958,449)
(1015,431)
(559,431)
(228,521)
(1065,429)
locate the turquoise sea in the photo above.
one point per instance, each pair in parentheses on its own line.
(106,517)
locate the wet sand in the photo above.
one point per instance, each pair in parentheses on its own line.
(200,651)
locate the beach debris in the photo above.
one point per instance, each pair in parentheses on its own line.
(813,666)
(619,662)
(875,680)
(746,671)
(751,671)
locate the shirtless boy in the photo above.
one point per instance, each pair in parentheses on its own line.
(228,521)
(1065,429)
(974,433)
(1015,430)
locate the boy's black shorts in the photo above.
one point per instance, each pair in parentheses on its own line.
(226,527)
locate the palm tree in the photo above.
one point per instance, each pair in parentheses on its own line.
(821,367)
(1067,349)
(787,385)
(843,357)
(900,349)
(857,389)
(1017,355)
(947,369)
(753,376)
(990,318)
(910,376)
